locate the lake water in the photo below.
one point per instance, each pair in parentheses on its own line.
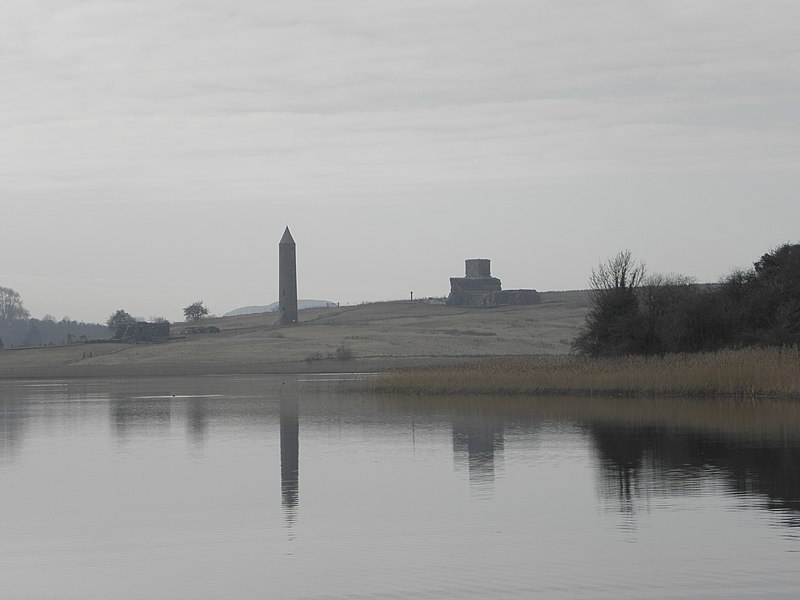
(278,487)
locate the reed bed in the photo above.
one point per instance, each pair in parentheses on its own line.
(750,372)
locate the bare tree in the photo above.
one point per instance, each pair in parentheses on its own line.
(614,308)
(618,273)
(11,307)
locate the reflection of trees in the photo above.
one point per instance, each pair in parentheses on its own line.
(767,469)
(638,462)
(290,456)
(626,462)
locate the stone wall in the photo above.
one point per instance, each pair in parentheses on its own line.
(514,297)
(472,291)
(201,329)
(141,332)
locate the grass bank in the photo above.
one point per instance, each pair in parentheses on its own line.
(371,337)
(752,372)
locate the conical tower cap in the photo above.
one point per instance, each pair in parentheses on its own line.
(287,238)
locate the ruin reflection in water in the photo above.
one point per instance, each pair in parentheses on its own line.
(479,439)
(753,450)
(646,448)
(207,472)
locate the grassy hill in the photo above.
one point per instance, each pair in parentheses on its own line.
(366,337)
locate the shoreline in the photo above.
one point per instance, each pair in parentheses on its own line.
(761,374)
(366,365)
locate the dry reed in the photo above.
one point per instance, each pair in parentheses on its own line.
(750,372)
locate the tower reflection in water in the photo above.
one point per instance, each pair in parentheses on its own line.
(290,456)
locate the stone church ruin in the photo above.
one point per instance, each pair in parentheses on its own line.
(479,288)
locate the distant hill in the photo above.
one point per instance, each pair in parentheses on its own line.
(249,310)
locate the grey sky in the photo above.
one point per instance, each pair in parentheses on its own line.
(151,152)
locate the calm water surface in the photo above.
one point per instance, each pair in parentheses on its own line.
(281,488)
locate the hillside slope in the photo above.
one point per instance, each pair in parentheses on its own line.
(377,335)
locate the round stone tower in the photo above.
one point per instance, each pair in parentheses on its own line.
(287,280)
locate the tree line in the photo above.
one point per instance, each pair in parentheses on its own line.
(47,331)
(18,329)
(635,313)
(194,312)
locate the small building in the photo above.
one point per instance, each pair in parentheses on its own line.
(479,288)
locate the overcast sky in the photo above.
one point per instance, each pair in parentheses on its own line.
(152,151)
